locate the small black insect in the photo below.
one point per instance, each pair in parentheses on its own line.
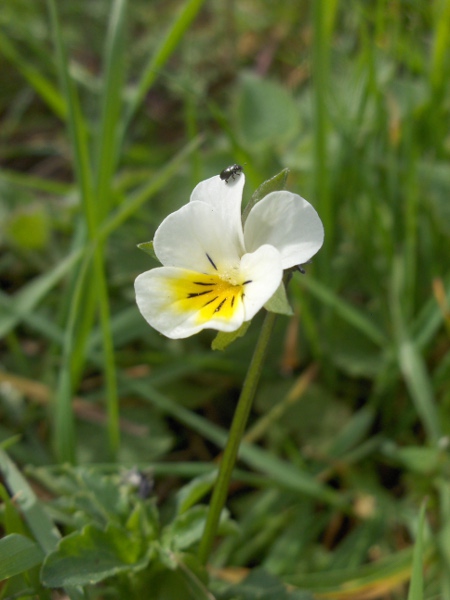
(230,171)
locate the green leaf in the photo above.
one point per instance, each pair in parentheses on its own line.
(37,519)
(18,554)
(274,184)
(279,303)
(266,112)
(224,339)
(195,490)
(29,229)
(185,578)
(147,247)
(186,529)
(92,555)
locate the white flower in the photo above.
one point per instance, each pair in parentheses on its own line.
(217,274)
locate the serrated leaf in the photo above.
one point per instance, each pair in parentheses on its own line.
(279,302)
(94,554)
(18,554)
(274,184)
(147,247)
(224,339)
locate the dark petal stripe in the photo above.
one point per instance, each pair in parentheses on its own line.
(211,261)
(209,301)
(195,294)
(220,305)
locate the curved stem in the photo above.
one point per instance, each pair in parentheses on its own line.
(236,432)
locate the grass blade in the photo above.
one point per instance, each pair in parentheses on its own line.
(111,100)
(37,81)
(343,309)
(416,586)
(161,56)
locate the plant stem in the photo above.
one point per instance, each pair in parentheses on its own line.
(236,432)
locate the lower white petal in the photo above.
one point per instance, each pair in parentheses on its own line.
(179,303)
(289,223)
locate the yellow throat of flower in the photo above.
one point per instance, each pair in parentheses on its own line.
(210,296)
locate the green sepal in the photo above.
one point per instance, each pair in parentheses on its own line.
(147,247)
(279,302)
(274,184)
(224,339)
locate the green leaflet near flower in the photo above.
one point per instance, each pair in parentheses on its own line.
(217,274)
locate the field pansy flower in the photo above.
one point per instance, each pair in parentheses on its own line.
(216,274)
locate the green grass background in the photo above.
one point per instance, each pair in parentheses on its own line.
(111,112)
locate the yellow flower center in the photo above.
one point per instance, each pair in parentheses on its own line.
(210,296)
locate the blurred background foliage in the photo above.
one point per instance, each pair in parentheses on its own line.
(98,146)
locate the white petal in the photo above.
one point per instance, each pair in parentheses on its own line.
(263,270)
(289,223)
(163,298)
(195,237)
(225,198)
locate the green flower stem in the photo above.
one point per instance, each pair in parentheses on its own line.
(236,432)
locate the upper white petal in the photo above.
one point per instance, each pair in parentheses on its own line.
(225,198)
(289,223)
(187,237)
(263,269)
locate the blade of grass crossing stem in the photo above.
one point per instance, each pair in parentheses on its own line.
(170,41)
(111,100)
(416,585)
(97,285)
